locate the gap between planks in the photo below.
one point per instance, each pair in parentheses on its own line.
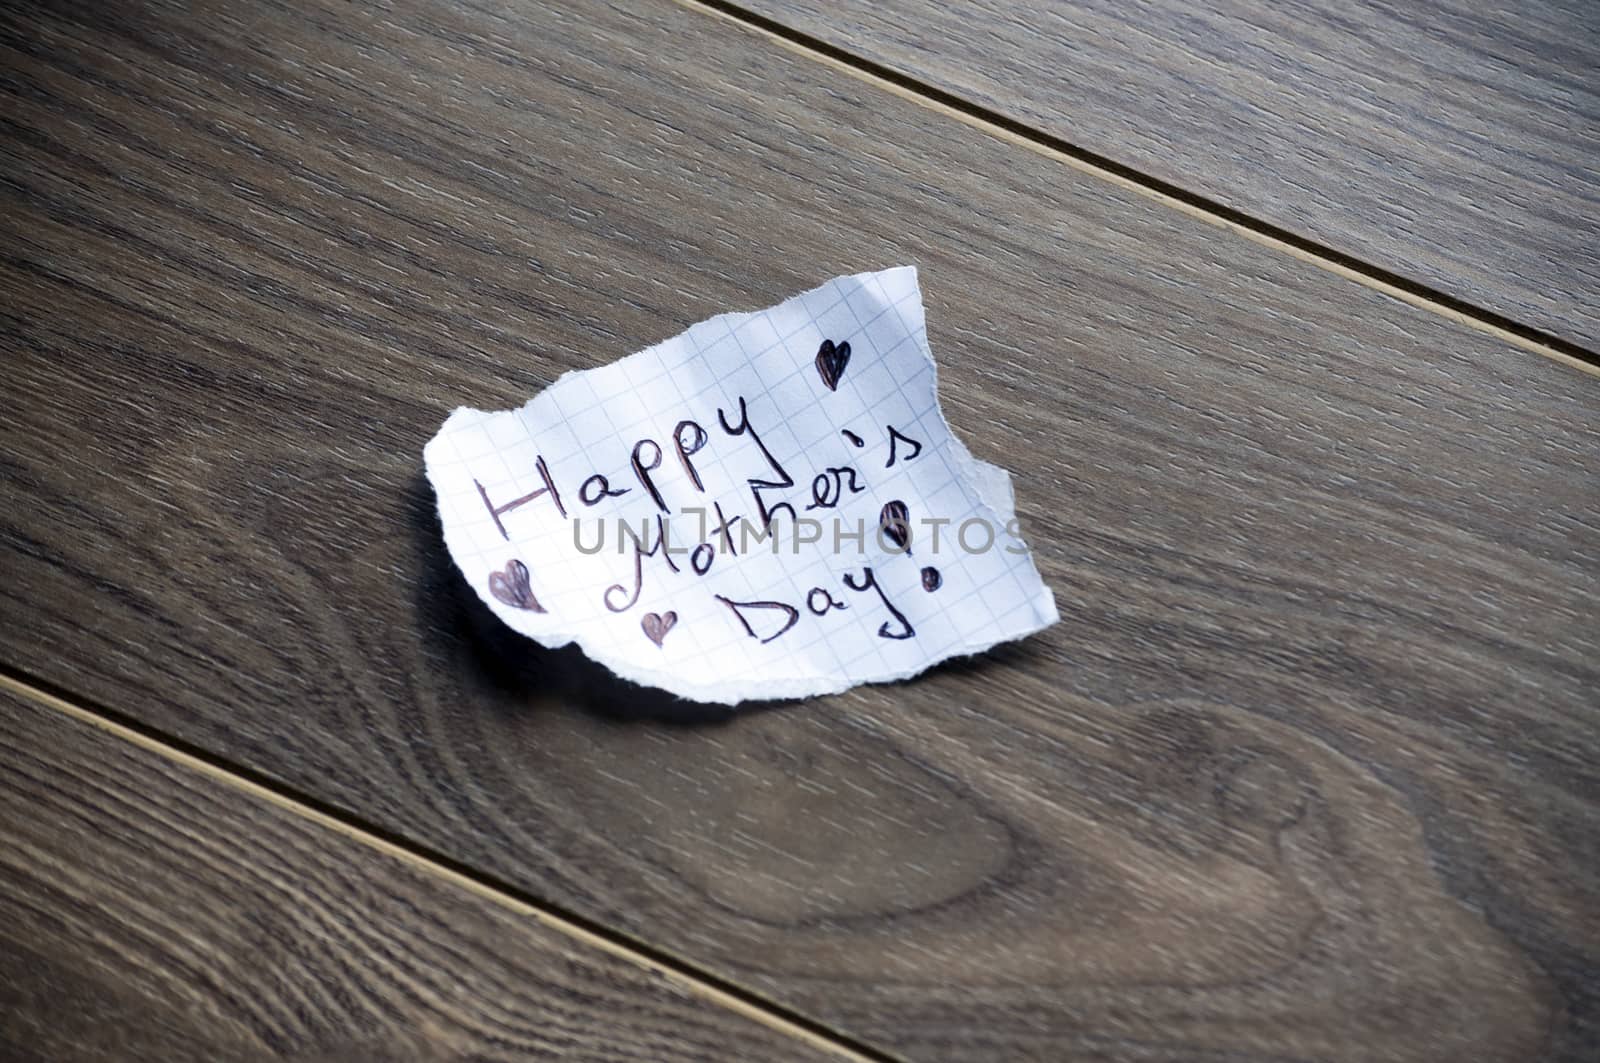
(688,978)
(1175,197)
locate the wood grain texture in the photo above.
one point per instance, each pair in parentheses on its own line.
(1453,142)
(149,911)
(1306,771)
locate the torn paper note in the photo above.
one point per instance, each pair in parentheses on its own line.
(769,505)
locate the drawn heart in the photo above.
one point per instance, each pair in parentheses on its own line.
(656,625)
(511,586)
(894,524)
(831,360)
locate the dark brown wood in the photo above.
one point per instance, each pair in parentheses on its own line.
(1452,142)
(149,910)
(1306,771)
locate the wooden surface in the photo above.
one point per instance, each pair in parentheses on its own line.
(1453,142)
(150,911)
(1306,771)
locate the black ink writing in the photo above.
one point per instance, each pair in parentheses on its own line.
(686,450)
(896,437)
(597,488)
(828,487)
(642,471)
(791,614)
(757,486)
(639,554)
(868,582)
(549,488)
(827,601)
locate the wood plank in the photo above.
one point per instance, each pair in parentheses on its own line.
(150,910)
(157,911)
(1454,143)
(1304,771)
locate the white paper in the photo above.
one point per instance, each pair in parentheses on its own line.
(735,419)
